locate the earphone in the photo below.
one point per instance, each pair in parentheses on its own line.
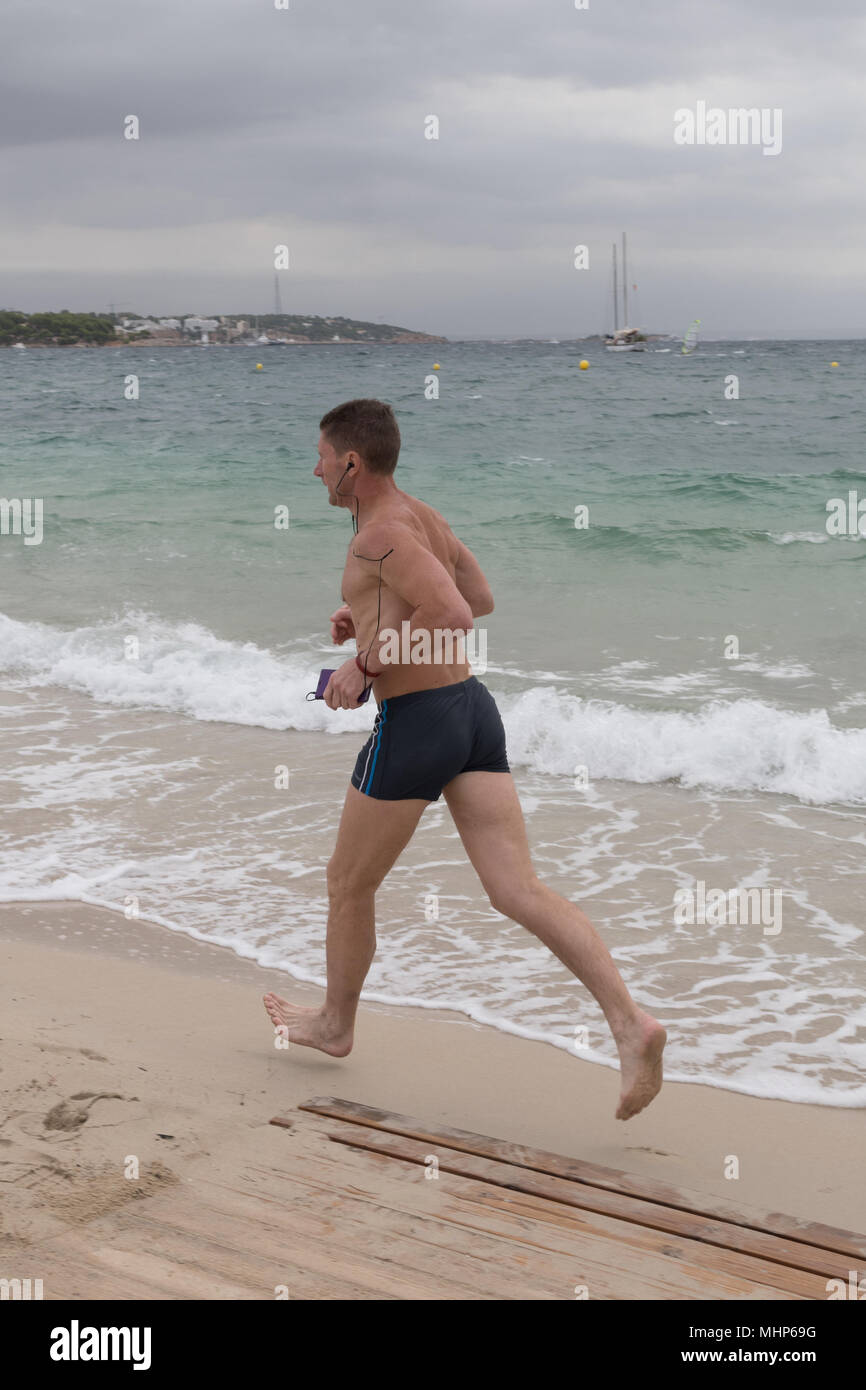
(374,560)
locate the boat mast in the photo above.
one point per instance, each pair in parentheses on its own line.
(624,287)
(615,305)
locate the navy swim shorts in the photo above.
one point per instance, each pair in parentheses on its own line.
(422,740)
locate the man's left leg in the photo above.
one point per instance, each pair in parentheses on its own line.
(372,835)
(487,813)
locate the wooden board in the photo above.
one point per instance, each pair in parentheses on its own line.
(774,1261)
(850,1244)
(566,1206)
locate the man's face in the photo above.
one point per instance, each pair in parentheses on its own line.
(330,469)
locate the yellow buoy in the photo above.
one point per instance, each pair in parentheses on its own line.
(436,366)
(258,366)
(834,364)
(584,364)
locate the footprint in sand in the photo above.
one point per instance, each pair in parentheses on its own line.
(74,1112)
(84,1051)
(645,1149)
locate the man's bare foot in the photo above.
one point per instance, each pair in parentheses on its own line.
(640,1055)
(308,1027)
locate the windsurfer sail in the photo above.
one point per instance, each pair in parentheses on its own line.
(690,339)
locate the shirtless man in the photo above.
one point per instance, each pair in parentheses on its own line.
(437,731)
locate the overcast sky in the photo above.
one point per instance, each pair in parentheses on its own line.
(261,126)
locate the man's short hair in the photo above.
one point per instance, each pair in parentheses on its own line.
(367,426)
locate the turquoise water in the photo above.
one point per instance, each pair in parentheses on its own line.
(702,638)
(707,516)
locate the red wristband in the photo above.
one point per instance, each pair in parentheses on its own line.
(372,675)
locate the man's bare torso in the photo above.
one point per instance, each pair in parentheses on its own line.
(361,592)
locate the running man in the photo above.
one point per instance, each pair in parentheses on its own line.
(437,732)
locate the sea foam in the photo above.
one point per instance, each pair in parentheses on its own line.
(738,743)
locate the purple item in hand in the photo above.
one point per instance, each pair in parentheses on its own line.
(325,676)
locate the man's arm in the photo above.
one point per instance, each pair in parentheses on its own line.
(420,580)
(414,574)
(470,581)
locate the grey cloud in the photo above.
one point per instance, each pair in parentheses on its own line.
(252,114)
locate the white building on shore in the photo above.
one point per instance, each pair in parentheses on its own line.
(197,325)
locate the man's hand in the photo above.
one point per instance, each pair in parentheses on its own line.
(345,687)
(342,627)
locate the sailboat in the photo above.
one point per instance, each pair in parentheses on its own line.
(623,339)
(690,337)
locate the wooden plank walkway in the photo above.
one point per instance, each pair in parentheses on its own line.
(710,1239)
(343,1210)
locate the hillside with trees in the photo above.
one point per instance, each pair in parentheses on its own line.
(61,329)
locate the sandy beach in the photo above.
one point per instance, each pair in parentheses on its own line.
(156,1047)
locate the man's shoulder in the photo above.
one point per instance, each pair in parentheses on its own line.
(409,520)
(414,523)
(383,533)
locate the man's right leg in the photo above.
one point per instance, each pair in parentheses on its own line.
(372,835)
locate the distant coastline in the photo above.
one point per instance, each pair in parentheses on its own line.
(66,329)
